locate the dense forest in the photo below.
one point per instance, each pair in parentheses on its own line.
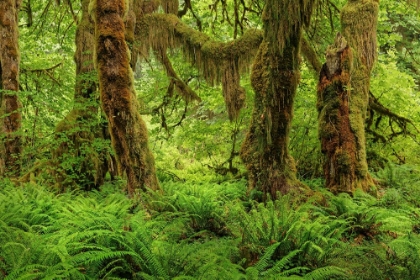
(212,139)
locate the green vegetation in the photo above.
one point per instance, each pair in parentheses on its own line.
(211,231)
(68,214)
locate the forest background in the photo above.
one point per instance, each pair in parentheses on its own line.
(69,211)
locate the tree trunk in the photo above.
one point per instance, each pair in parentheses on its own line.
(343,98)
(77,160)
(275,76)
(128,131)
(338,142)
(10,116)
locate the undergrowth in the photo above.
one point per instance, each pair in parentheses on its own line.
(210,231)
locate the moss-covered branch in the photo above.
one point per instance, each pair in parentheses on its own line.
(310,55)
(218,62)
(185,91)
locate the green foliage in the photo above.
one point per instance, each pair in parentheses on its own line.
(204,225)
(301,243)
(208,231)
(304,144)
(47,76)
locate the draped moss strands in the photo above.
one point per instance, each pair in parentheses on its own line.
(218,62)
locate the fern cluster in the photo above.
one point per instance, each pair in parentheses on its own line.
(206,231)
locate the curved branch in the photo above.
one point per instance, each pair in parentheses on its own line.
(185,91)
(218,62)
(310,55)
(168,31)
(402,122)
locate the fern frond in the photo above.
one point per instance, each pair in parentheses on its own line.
(281,265)
(32,271)
(265,260)
(326,273)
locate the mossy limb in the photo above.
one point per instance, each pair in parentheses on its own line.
(218,62)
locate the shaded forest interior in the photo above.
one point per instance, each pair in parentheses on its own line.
(216,139)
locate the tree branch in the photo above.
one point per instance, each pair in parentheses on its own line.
(218,62)
(185,91)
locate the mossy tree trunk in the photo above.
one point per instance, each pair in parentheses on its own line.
(342,117)
(338,141)
(128,131)
(77,160)
(10,116)
(275,76)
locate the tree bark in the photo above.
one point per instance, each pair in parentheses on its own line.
(275,76)
(128,131)
(338,141)
(343,99)
(76,133)
(358,22)
(10,116)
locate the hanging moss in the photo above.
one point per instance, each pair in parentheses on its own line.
(10,116)
(233,93)
(167,31)
(170,6)
(127,129)
(218,62)
(286,17)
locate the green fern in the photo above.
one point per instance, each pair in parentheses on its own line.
(326,273)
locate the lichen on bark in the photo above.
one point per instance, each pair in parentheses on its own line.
(10,115)
(128,131)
